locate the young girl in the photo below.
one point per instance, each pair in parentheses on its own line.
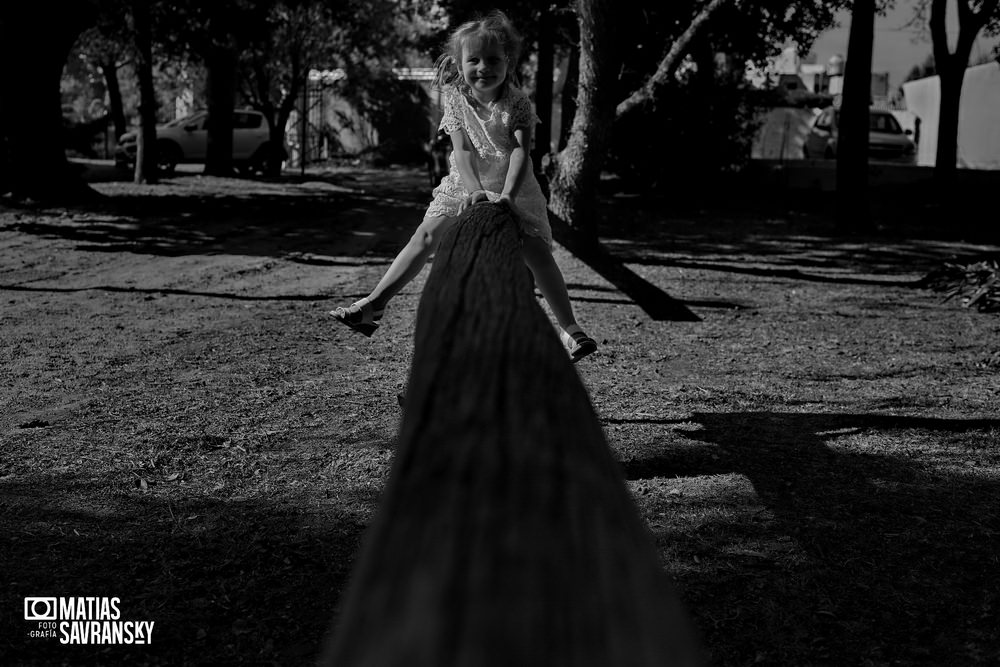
(489,121)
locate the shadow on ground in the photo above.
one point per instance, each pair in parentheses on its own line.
(224,580)
(882,549)
(325,218)
(348,213)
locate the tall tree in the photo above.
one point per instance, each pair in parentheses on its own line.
(364,37)
(107,47)
(973,16)
(146,156)
(32,157)
(215,34)
(853,211)
(753,28)
(221,62)
(575,171)
(577,168)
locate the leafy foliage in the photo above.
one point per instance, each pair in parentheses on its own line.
(683,144)
(974,285)
(707,114)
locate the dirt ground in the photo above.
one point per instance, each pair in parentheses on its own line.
(185,428)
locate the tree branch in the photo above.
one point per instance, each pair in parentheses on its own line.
(939,36)
(669,63)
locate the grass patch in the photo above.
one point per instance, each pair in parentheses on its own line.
(184,428)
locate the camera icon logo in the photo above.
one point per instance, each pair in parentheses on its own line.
(40,609)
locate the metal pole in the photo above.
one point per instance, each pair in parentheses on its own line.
(302,127)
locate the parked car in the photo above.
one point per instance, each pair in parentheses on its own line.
(186,140)
(887,142)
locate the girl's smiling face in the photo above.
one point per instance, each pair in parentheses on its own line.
(484,67)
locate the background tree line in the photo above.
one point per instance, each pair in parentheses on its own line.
(654,91)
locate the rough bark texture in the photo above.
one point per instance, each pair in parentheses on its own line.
(506,535)
(578,168)
(35,47)
(951,68)
(853,207)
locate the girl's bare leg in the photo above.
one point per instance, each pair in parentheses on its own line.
(548,277)
(410,260)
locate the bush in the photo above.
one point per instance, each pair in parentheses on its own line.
(682,145)
(975,285)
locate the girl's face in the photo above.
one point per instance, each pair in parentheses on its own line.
(484,67)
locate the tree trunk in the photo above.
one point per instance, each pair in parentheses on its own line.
(571,83)
(951,71)
(853,206)
(951,77)
(110,71)
(35,48)
(506,534)
(145,157)
(543,86)
(280,122)
(221,85)
(277,142)
(578,168)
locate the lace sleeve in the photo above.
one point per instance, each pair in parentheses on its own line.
(522,114)
(451,119)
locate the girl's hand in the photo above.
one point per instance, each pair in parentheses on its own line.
(473,199)
(507,201)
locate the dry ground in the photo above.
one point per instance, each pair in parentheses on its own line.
(183,426)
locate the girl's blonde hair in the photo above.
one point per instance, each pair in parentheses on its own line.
(494,28)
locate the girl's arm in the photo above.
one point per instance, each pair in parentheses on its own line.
(462,150)
(518,163)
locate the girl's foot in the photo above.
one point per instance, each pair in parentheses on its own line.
(361,316)
(578,344)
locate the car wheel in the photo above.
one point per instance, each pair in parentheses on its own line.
(168,154)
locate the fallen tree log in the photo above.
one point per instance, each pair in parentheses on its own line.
(505,535)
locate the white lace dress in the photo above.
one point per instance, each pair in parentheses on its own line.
(493,140)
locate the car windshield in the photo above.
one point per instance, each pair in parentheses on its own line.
(878,121)
(184,121)
(883,122)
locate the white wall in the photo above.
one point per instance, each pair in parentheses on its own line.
(978,122)
(782,133)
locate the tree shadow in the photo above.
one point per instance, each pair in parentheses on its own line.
(225,581)
(351,216)
(789,274)
(311,221)
(774,233)
(697,303)
(651,298)
(895,560)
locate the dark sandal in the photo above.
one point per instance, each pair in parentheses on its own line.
(360,316)
(579,345)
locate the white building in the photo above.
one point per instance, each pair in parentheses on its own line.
(978,117)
